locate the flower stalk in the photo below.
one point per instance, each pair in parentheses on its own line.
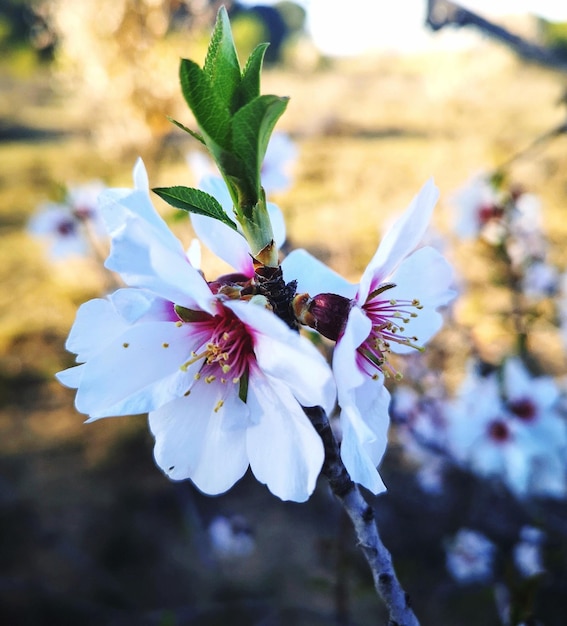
(362,516)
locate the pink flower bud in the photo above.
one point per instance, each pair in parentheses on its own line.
(327,313)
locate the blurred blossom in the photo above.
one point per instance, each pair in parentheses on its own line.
(527,552)
(71,227)
(505,425)
(477,208)
(540,280)
(278,163)
(231,536)
(470,557)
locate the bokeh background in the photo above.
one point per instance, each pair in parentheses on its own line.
(91,532)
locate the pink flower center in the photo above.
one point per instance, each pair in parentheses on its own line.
(227,351)
(488,212)
(388,317)
(66,227)
(499,431)
(524,409)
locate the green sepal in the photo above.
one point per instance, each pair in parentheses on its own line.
(252,127)
(194,201)
(243,386)
(184,128)
(189,315)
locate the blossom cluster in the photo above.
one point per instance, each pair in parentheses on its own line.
(224,368)
(506,420)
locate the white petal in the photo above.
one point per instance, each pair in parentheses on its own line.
(401,239)
(285,451)
(138,371)
(278,223)
(347,373)
(144,261)
(425,276)
(364,422)
(97,323)
(285,354)
(193,442)
(314,277)
(135,305)
(226,243)
(140,176)
(71,377)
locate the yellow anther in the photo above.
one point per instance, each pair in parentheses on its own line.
(210,379)
(197,376)
(225,368)
(218,406)
(179,324)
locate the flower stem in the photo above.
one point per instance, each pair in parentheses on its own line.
(362,516)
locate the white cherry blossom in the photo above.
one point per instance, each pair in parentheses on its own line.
(392,310)
(223,379)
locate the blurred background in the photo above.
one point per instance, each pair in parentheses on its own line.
(91,532)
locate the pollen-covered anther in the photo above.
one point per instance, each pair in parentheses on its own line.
(218,406)
(209,379)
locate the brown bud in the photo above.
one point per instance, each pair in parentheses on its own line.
(327,313)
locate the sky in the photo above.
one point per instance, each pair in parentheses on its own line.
(398,26)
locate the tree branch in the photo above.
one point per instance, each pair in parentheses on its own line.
(441,13)
(362,517)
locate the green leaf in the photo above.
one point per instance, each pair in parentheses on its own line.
(252,127)
(221,63)
(193,133)
(212,116)
(194,201)
(249,87)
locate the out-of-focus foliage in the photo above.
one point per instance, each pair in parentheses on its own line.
(555,36)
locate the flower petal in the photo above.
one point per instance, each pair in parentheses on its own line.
(347,373)
(285,451)
(364,423)
(144,261)
(400,240)
(226,243)
(138,371)
(97,322)
(314,277)
(192,440)
(425,276)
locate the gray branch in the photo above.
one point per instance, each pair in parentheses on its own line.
(362,517)
(441,13)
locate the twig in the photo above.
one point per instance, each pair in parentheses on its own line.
(362,517)
(441,13)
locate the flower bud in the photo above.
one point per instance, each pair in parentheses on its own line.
(327,313)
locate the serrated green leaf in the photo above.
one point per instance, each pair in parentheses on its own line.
(221,63)
(193,133)
(249,87)
(194,201)
(212,116)
(252,127)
